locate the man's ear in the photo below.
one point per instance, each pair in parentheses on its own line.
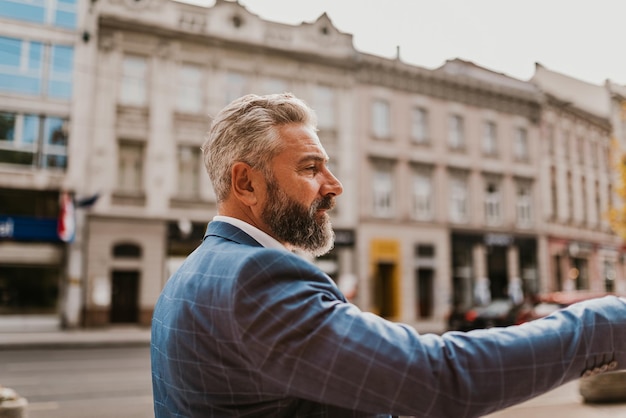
(243,183)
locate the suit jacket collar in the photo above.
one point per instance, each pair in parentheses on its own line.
(230,232)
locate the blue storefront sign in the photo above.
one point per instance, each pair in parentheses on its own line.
(26,228)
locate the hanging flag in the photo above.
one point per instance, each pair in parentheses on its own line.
(66,224)
(87,202)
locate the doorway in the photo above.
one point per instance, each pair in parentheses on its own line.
(425,292)
(497,272)
(124,297)
(384,290)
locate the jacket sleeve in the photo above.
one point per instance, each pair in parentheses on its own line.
(307,342)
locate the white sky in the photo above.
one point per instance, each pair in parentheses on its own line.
(584,39)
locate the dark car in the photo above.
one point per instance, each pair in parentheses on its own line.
(498,313)
(552,302)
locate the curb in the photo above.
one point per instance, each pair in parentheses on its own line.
(75,339)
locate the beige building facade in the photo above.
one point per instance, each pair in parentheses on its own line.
(461,184)
(450,188)
(163,68)
(578,167)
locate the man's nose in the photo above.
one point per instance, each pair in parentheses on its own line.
(332,185)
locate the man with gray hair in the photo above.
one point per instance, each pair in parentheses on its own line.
(246,327)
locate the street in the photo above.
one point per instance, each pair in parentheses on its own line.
(115,382)
(82,382)
(562,402)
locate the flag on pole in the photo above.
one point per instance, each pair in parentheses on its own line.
(66,223)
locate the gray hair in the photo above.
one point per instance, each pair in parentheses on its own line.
(246,131)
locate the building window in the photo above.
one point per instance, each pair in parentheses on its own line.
(554,197)
(60,76)
(324,105)
(29,289)
(61,13)
(550,139)
(236,86)
(456,136)
(520,144)
(189,171)
(21,66)
(583,192)
(419,126)
(523,205)
(580,149)
(55,142)
(422,195)
(570,197)
(594,153)
(490,140)
(381,119)
(273,85)
(598,202)
(382,191)
(189,89)
(130,167)
(133,87)
(33,140)
(493,203)
(566,146)
(459,205)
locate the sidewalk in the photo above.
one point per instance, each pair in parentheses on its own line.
(106,337)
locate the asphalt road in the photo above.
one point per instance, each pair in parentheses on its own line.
(115,382)
(82,382)
(562,402)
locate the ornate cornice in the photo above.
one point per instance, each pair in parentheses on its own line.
(457,88)
(576,112)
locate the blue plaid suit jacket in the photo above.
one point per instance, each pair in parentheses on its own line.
(243,330)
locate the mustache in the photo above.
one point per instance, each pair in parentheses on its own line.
(325,203)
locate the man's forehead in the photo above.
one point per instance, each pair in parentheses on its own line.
(303,139)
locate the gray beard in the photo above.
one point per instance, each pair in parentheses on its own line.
(297,225)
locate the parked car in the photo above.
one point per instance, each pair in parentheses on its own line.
(503,312)
(498,313)
(553,301)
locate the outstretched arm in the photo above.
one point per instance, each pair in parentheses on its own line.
(309,343)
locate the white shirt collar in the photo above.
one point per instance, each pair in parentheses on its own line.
(260,236)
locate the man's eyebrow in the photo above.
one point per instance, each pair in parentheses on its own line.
(313,157)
